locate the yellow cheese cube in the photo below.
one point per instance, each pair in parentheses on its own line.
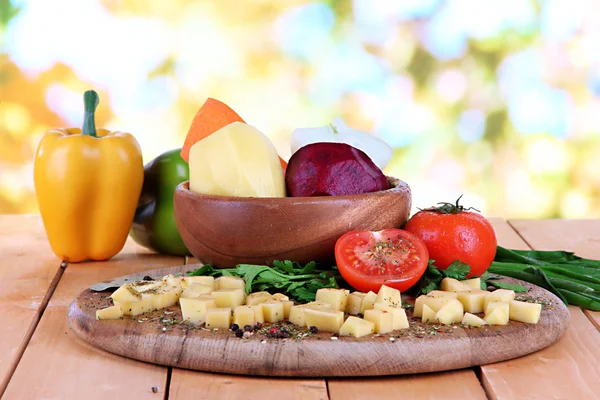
(428,315)
(137,307)
(243,315)
(435,299)
(499,295)
(450,313)
(354,302)
(525,312)
(237,160)
(296,316)
(230,282)
(357,327)
(368,302)
(172,280)
(472,320)
(389,295)
(400,318)
(336,298)
(164,296)
(218,318)
(144,286)
(273,311)
(505,307)
(259,316)
(287,307)
(324,320)
(194,310)
(229,297)
(384,321)
(257,298)
(453,285)
(472,300)
(280,296)
(496,317)
(126,294)
(473,283)
(204,280)
(196,290)
(112,312)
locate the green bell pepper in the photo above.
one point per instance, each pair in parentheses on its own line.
(154,222)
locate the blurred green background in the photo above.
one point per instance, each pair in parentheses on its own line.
(496,100)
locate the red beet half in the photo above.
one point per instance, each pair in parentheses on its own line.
(332,169)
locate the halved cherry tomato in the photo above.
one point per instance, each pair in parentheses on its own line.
(452,232)
(391,257)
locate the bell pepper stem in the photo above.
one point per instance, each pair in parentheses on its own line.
(90,102)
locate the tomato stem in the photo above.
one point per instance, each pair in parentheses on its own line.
(449,208)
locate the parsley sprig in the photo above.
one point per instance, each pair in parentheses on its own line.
(299,282)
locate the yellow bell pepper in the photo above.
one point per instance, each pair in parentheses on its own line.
(87,184)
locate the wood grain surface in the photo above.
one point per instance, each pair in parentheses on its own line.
(56,365)
(186,346)
(569,369)
(28,273)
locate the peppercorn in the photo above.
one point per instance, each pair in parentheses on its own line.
(239,333)
(257,326)
(234,327)
(272,331)
(147,278)
(246,334)
(313,329)
(248,328)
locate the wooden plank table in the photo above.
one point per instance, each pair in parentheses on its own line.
(41,358)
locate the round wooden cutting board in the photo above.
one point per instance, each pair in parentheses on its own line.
(421,348)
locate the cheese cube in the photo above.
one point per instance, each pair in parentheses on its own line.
(435,299)
(324,320)
(145,286)
(505,307)
(229,297)
(368,302)
(453,285)
(273,311)
(112,312)
(259,316)
(230,282)
(501,295)
(287,307)
(218,318)
(164,296)
(450,313)
(473,283)
(472,320)
(257,298)
(472,300)
(337,298)
(525,312)
(296,316)
(357,327)
(126,294)
(243,315)
(280,296)
(194,310)
(496,317)
(400,319)
(175,281)
(204,280)
(389,295)
(196,290)
(384,321)
(428,315)
(137,307)
(354,302)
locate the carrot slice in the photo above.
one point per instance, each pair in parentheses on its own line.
(212,116)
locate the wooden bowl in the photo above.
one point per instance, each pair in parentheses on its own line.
(225,231)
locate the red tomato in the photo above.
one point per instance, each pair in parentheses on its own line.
(392,257)
(452,233)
